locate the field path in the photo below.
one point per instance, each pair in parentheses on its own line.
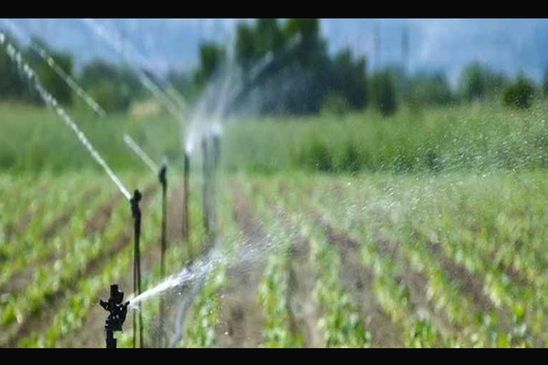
(303,311)
(357,280)
(240,317)
(304,314)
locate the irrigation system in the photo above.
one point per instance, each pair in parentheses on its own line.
(211,148)
(162,177)
(117,310)
(17,58)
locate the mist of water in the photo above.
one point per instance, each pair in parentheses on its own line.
(249,252)
(16,57)
(222,92)
(82,94)
(142,154)
(119,46)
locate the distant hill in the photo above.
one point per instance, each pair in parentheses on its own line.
(504,44)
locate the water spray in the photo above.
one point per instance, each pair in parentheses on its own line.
(162,177)
(206,186)
(16,57)
(142,154)
(211,146)
(119,47)
(117,315)
(41,52)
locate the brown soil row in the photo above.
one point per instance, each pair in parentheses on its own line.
(55,300)
(24,221)
(304,314)
(91,334)
(240,318)
(357,280)
(22,279)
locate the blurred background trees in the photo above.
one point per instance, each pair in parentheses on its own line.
(284,67)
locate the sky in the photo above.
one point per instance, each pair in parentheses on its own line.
(509,45)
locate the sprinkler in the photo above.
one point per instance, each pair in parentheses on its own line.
(117,315)
(211,152)
(206,186)
(162,177)
(136,213)
(17,58)
(186,219)
(216,158)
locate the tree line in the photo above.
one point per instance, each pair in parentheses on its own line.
(284,67)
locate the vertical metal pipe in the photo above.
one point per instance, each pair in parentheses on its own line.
(163,181)
(186,198)
(214,166)
(136,212)
(206,182)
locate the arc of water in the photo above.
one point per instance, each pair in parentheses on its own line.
(118,46)
(142,154)
(82,94)
(16,57)
(127,47)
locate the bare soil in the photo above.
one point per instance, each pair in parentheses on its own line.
(240,319)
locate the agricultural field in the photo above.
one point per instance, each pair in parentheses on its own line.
(273,189)
(375,254)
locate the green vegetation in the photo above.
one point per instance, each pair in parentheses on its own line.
(418,222)
(519,94)
(482,137)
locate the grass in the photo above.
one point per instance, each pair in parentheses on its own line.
(469,180)
(34,140)
(478,137)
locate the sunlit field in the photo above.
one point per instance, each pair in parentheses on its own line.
(280,193)
(381,254)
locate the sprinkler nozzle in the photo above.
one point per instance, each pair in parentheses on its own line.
(135,200)
(117,314)
(162,174)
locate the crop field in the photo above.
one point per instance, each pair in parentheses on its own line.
(272,188)
(367,260)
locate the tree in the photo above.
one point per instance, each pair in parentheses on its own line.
(113,87)
(50,79)
(477,82)
(311,47)
(349,79)
(519,94)
(269,36)
(12,84)
(384,92)
(428,89)
(247,51)
(212,57)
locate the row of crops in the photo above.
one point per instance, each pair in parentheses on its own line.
(307,261)
(401,261)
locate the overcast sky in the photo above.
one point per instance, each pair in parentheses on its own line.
(508,45)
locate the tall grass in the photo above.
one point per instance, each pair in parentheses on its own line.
(478,137)
(474,137)
(34,139)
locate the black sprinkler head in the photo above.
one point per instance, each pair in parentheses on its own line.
(117,310)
